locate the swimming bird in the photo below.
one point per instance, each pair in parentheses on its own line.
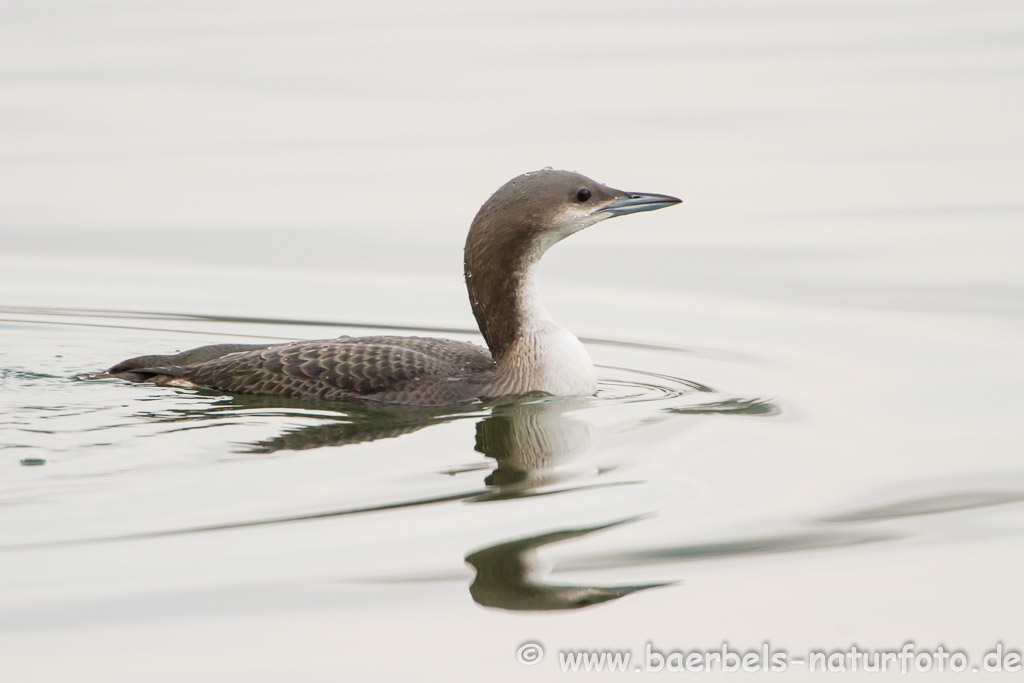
(527,351)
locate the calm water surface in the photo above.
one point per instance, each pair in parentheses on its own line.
(808,429)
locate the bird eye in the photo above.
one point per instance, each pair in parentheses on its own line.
(583,195)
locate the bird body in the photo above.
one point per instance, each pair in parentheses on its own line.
(528,352)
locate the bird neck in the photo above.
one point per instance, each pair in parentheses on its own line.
(531,350)
(500,281)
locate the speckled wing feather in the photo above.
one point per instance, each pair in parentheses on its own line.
(141,368)
(408,370)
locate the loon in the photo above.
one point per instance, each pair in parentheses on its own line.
(527,351)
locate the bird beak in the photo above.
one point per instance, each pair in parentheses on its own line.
(634,202)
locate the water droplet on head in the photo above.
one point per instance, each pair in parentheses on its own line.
(548,168)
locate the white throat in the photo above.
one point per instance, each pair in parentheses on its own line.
(546,356)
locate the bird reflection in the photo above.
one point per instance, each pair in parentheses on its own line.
(535,443)
(532,443)
(510,576)
(338,423)
(529,441)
